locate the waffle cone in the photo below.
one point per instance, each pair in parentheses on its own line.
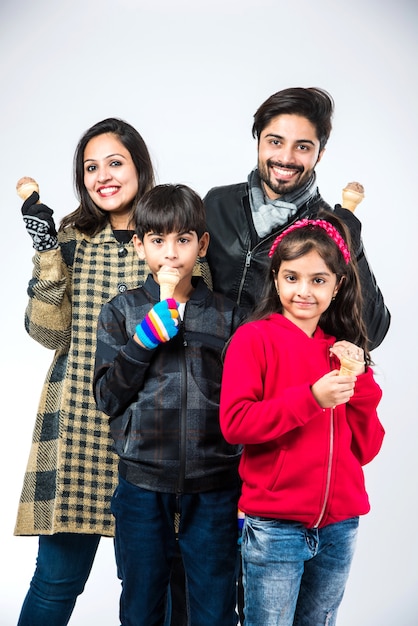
(168,279)
(350,367)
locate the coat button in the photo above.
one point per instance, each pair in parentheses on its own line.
(122,287)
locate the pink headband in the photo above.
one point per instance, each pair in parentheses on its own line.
(329,229)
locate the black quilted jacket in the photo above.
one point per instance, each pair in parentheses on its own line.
(164,403)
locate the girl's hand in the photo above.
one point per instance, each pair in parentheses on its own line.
(347,349)
(333,389)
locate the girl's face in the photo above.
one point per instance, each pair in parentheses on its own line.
(110,177)
(306,287)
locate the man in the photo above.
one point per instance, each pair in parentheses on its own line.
(292,128)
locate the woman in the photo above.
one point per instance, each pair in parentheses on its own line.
(72,471)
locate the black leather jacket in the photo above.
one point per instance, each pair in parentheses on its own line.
(238,258)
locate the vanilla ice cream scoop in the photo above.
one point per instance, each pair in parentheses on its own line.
(26,186)
(353,194)
(168,278)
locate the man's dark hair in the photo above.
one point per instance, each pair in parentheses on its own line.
(313,103)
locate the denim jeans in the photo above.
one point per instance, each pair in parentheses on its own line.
(62,568)
(146,547)
(176,599)
(292,575)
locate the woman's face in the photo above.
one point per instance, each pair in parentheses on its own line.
(110,177)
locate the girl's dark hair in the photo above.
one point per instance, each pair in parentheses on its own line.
(88,217)
(313,103)
(343,318)
(170,208)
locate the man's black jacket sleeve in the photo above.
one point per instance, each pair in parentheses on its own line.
(375,313)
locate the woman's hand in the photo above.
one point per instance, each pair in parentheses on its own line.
(39,224)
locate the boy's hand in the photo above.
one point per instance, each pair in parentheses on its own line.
(39,224)
(333,389)
(159,325)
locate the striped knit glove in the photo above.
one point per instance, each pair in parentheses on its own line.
(159,325)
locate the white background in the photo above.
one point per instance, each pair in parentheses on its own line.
(189,75)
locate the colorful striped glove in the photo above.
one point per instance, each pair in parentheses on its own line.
(159,325)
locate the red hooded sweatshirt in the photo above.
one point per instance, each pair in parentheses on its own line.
(300,462)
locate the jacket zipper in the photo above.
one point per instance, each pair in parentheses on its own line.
(183,413)
(329,469)
(248,257)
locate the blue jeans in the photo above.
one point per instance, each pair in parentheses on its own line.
(146,547)
(292,575)
(62,568)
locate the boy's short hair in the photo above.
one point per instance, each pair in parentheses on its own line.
(170,208)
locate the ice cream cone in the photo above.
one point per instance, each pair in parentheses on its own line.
(26,186)
(350,366)
(168,278)
(353,194)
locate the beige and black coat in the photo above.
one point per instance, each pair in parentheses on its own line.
(72,470)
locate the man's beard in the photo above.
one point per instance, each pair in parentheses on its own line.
(278,187)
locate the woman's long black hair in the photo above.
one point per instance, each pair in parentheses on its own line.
(88,217)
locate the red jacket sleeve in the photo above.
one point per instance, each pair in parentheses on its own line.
(362,418)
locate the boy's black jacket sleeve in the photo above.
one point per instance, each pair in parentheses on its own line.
(121,363)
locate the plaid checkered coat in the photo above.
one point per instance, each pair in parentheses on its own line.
(72,471)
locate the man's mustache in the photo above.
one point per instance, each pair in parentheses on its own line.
(297,168)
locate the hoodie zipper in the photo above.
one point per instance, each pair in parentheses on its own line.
(329,469)
(330,461)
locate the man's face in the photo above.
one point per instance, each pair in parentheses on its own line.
(288,151)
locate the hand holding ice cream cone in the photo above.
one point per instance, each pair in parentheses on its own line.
(353,194)
(168,278)
(38,217)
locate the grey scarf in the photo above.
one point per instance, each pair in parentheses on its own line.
(268,214)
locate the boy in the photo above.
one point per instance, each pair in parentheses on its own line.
(157,376)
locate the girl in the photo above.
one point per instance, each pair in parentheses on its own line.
(306,430)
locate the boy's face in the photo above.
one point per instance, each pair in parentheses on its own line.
(177,250)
